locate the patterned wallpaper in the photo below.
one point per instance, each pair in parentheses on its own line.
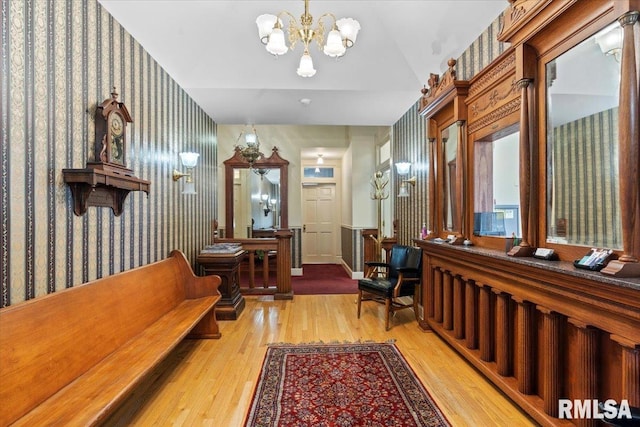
(410,138)
(59,59)
(585,160)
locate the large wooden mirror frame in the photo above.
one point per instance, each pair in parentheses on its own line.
(495,110)
(443,106)
(528,29)
(272,162)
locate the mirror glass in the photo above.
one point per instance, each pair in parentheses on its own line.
(582,143)
(256,201)
(449,140)
(497,185)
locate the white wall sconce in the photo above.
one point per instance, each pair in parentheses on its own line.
(268,205)
(189,161)
(403,169)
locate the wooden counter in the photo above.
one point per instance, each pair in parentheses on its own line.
(540,330)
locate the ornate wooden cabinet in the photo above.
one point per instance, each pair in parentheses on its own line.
(543,330)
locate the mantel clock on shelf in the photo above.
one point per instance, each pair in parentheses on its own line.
(111,120)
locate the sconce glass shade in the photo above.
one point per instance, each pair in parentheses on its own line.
(320,160)
(610,39)
(403,192)
(306,66)
(273,202)
(189,188)
(189,159)
(403,168)
(251,138)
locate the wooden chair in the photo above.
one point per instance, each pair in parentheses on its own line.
(386,283)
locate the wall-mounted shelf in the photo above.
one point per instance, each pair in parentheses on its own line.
(102,187)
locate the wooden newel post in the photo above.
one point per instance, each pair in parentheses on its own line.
(283,272)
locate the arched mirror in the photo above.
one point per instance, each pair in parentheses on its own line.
(256,196)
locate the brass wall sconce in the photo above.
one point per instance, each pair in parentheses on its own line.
(189,161)
(403,169)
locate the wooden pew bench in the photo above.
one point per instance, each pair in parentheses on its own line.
(71,357)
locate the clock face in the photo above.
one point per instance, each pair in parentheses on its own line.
(117,126)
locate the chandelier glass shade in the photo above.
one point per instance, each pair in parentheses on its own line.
(251,150)
(342,35)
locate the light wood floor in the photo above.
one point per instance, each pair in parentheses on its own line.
(210,382)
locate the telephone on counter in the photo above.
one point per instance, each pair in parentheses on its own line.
(546,254)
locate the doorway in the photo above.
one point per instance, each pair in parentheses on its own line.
(319,216)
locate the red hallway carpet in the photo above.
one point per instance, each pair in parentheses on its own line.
(322,279)
(360,384)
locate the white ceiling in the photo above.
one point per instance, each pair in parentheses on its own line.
(211,48)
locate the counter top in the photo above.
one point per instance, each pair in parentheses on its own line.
(564,267)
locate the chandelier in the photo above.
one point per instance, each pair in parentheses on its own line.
(342,35)
(250,151)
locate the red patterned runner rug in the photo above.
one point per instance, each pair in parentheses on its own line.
(346,385)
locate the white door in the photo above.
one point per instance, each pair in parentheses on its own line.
(319,213)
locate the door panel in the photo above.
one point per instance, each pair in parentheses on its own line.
(319,216)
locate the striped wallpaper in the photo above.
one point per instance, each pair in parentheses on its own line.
(59,59)
(409,141)
(585,171)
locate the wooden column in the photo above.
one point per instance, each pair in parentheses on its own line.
(437,295)
(503,345)
(585,363)
(630,366)
(432,132)
(447,300)
(485,337)
(525,365)
(458,307)
(524,249)
(470,315)
(628,155)
(428,297)
(426,294)
(551,372)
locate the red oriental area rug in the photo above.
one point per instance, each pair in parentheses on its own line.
(347,385)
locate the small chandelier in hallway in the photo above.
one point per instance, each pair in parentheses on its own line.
(251,151)
(342,35)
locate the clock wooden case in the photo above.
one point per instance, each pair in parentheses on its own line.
(106,181)
(110,146)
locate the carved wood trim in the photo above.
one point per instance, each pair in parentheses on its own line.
(440,89)
(497,114)
(518,14)
(494,73)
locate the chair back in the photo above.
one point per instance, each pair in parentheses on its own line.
(404,256)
